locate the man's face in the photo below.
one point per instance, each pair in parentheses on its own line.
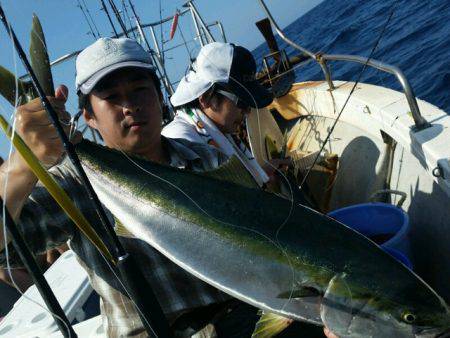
(226,115)
(127,111)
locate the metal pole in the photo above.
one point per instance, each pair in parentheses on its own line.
(316,57)
(222,31)
(197,29)
(155,42)
(160,64)
(209,36)
(148,307)
(157,23)
(162,73)
(419,120)
(38,278)
(161,69)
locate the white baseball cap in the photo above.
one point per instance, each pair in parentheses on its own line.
(105,56)
(228,66)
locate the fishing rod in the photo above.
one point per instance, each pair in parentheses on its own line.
(349,95)
(161,38)
(37,276)
(148,307)
(322,64)
(91,30)
(90,17)
(119,19)
(127,16)
(55,190)
(105,9)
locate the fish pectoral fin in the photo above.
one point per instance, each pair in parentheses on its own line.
(338,305)
(302,292)
(121,230)
(233,171)
(270,324)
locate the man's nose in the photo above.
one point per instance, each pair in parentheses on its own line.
(130,106)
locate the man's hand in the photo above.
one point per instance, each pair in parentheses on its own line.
(272,169)
(328,333)
(37,130)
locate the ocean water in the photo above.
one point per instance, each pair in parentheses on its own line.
(417,40)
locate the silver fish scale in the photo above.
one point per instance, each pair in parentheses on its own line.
(248,278)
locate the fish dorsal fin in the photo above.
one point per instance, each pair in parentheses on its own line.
(270,324)
(233,171)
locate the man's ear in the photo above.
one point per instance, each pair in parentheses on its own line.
(90,119)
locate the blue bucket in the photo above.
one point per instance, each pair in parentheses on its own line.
(399,256)
(386,224)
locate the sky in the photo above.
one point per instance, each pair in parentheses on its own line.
(66,30)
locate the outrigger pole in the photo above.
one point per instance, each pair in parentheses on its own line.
(38,277)
(147,305)
(160,65)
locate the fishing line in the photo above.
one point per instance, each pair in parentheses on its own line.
(138,309)
(276,243)
(350,94)
(5,233)
(192,200)
(291,193)
(127,261)
(291,199)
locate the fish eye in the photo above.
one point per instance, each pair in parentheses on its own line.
(408,317)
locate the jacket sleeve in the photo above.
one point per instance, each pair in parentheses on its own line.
(42,223)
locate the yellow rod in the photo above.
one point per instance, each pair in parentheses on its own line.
(55,190)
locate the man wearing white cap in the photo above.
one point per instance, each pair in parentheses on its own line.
(120,97)
(213,99)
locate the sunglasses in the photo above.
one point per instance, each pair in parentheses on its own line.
(233,98)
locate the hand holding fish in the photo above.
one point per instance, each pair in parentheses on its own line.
(328,333)
(273,168)
(38,132)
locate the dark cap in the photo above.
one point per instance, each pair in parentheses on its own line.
(224,65)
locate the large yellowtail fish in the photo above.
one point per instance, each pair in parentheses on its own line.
(236,238)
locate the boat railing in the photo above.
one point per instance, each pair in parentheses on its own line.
(419,121)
